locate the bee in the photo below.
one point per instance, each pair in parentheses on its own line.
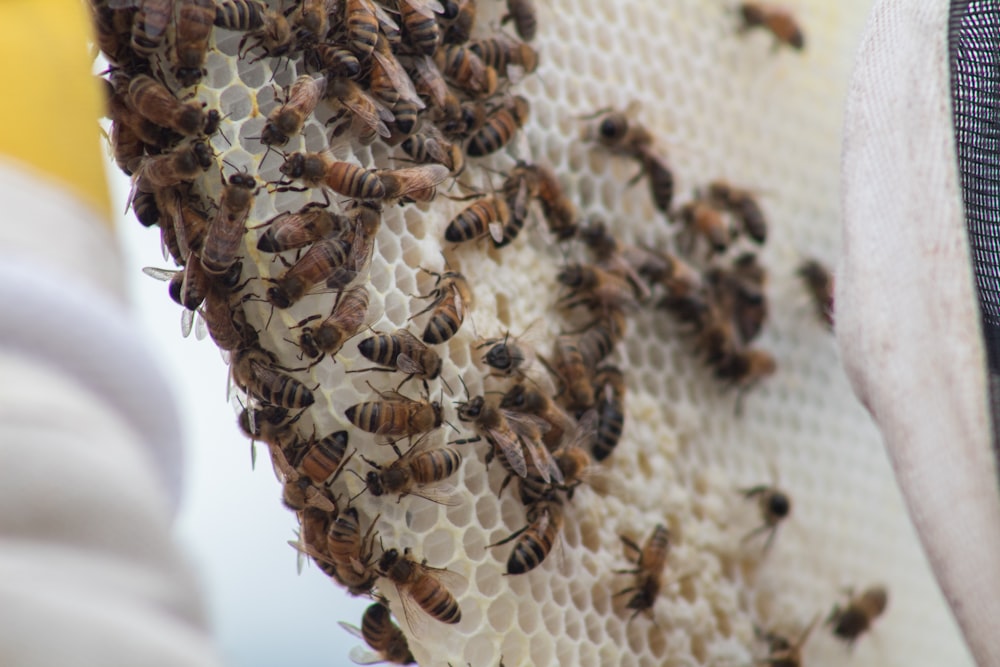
(742,204)
(702,219)
(186,287)
(311,270)
(661,178)
(351,552)
(401,351)
(418,472)
(746,367)
(853,621)
(429,83)
(524,399)
(650,560)
(819,281)
(287,120)
(343,323)
(192,33)
(781,651)
(382,635)
(181,215)
(226,323)
(570,369)
(181,165)
(292,230)
(524,16)
(388,80)
(153,101)
(775,506)
(461,21)
(500,128)
(485,216)
(366,218)
(145,209)
(430,145)
(298,492)
(420,25)
(776,20)
(274,35)
(366,112)
(128,147)
(510,434)
(560,212)
(413,183)
(609,396)
(113,29)
(361,23)
(318,169)
(150,24)
(323,458)
(336,61)
(313,19)
(499,52)
(595,288)
(419,584)
(226,233)
(507,358)
(396,415)
(536,538)
(598,340)
(450,299)
(241,15)
(466,70)
(519,188)
(255,372)
(739,293)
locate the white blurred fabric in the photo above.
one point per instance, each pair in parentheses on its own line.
(89,455)
(907,316)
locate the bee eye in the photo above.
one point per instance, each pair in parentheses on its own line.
(611,129)
(779,505)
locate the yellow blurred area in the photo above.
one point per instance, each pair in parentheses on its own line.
(51,101)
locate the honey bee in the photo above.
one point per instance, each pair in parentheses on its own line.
(191,36)
(336,61)
(739,294)
(430,145)
(609,396)
(420,25)
(421,585)
(560,212)
(650,560)
(274,35)
(128,147)
(150,23)
(241,15)
(598,340)
(570,369)
(854,620)
(703,220)
(382,635)
(130,125)
(524,399)
(186,287)
(366,111)
(292,230)
(319,169)
(351,552)
(225,236)
(182,216)
(819,281)
(313,19)
(401,351)
(499,128)
(775,506)
(152,100)
(461,20)
(776,20)
(488,215)
(287,120)
(387,79)
(343,323)
(311,270)
(255,372)
(466,70)
(595,288)
(781,651)
(413,183)
(536,538)
(661,178)
(361,23)
(419,471)
(742,204)
(395,415)
(450,299)
(113,29)
(324,458)
(507,358)
(145,209)
(524,16)
(226,323)
(499,52)
(509,435)
(183,164)
(746,367)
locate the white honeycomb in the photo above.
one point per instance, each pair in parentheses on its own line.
(721,105)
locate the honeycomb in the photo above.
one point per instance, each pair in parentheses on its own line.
(721,105)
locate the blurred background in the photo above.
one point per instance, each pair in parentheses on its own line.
(232,524)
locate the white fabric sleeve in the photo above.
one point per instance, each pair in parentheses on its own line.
(89,455)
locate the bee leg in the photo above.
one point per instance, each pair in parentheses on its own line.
(512,536)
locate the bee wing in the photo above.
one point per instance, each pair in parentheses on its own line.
(407,364)
(440,493)
(352,629)
(544,463)
(384,18)
(413,615)
(510,448)
(398,77)
(426,8)
(369,111)
(414,179)
(526,425)
(187,321)
(583,432)
(200,326)
(160,274)
(431,77)
(359,654)
(496,231)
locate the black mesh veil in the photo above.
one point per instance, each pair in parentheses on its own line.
(974,44)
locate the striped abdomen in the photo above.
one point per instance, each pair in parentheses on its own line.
(323,458)
(475,220)
(536,542)
(353,181)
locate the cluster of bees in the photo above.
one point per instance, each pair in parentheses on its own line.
(408,73)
